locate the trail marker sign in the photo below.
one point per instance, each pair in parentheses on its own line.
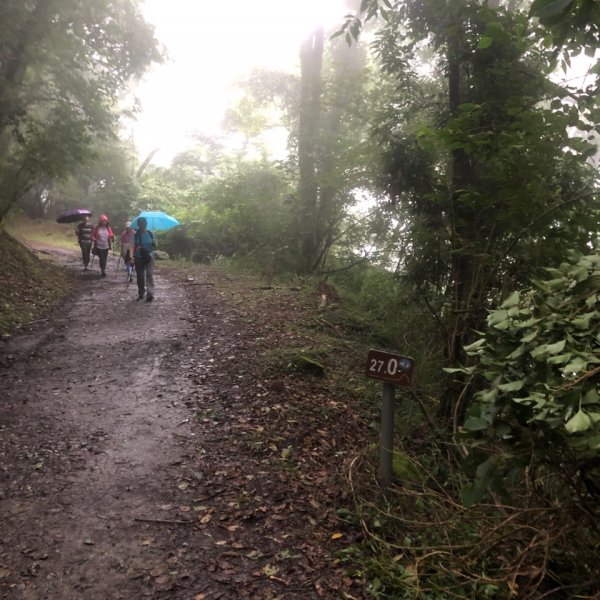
(392,368)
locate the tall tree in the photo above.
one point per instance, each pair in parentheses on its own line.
(311,61)
(500,177)
(63,64)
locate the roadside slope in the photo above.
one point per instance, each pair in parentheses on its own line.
(29,285)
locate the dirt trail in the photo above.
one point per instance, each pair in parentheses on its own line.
(90,426)
(125,469)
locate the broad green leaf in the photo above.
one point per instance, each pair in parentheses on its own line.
(485,42)
(592,301)
(530,336)
(475,345)
(512,300)
(591,396)
(485,474)
(487,468)
(561,359)
(557,284)
(583,321)
(554,272)
(425,132)
(530,322)
(512,386)
(471,494)
(465,370)
(517,353)
(488,396)
(546,349)
(580,274)
(580,422)
(576,365)
(536,399)
(497,317)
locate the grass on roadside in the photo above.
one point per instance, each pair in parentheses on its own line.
(38,231)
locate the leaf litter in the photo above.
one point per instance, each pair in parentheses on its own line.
(249,481)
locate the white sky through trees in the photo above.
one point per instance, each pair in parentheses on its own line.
(211,44)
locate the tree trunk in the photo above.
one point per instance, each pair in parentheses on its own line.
(462,269)
(311,59)
(460,261)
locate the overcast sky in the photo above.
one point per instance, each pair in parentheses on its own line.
(211,44)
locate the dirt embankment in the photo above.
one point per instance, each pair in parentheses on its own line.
(163,450)
(29,285)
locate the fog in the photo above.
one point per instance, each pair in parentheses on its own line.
(211,46)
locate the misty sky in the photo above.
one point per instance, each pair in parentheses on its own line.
(212,44)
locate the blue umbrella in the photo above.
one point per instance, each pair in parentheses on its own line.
(157,220)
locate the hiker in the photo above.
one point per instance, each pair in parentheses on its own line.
(144,244)
(103,237)
(84,237)
(126,243)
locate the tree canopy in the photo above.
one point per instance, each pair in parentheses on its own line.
(65,65)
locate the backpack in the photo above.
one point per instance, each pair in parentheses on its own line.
(145,256)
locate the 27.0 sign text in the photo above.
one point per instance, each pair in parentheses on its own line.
(390,367)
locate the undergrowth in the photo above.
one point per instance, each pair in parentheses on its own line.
(417,540)
(29,286)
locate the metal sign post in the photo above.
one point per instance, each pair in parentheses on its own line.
(386,435)
(393,370)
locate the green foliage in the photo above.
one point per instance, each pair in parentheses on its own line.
(241,212)
(104,184)
(479,155)
(572,23)
(382,308)
(178,189)
(63,65)
(540,357)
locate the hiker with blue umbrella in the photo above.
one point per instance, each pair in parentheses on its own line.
(143,246)
(156,220)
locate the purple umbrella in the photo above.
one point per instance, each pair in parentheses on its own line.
(74,215)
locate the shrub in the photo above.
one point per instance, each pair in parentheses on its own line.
(540,360)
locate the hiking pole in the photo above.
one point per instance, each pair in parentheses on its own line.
(130,276)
